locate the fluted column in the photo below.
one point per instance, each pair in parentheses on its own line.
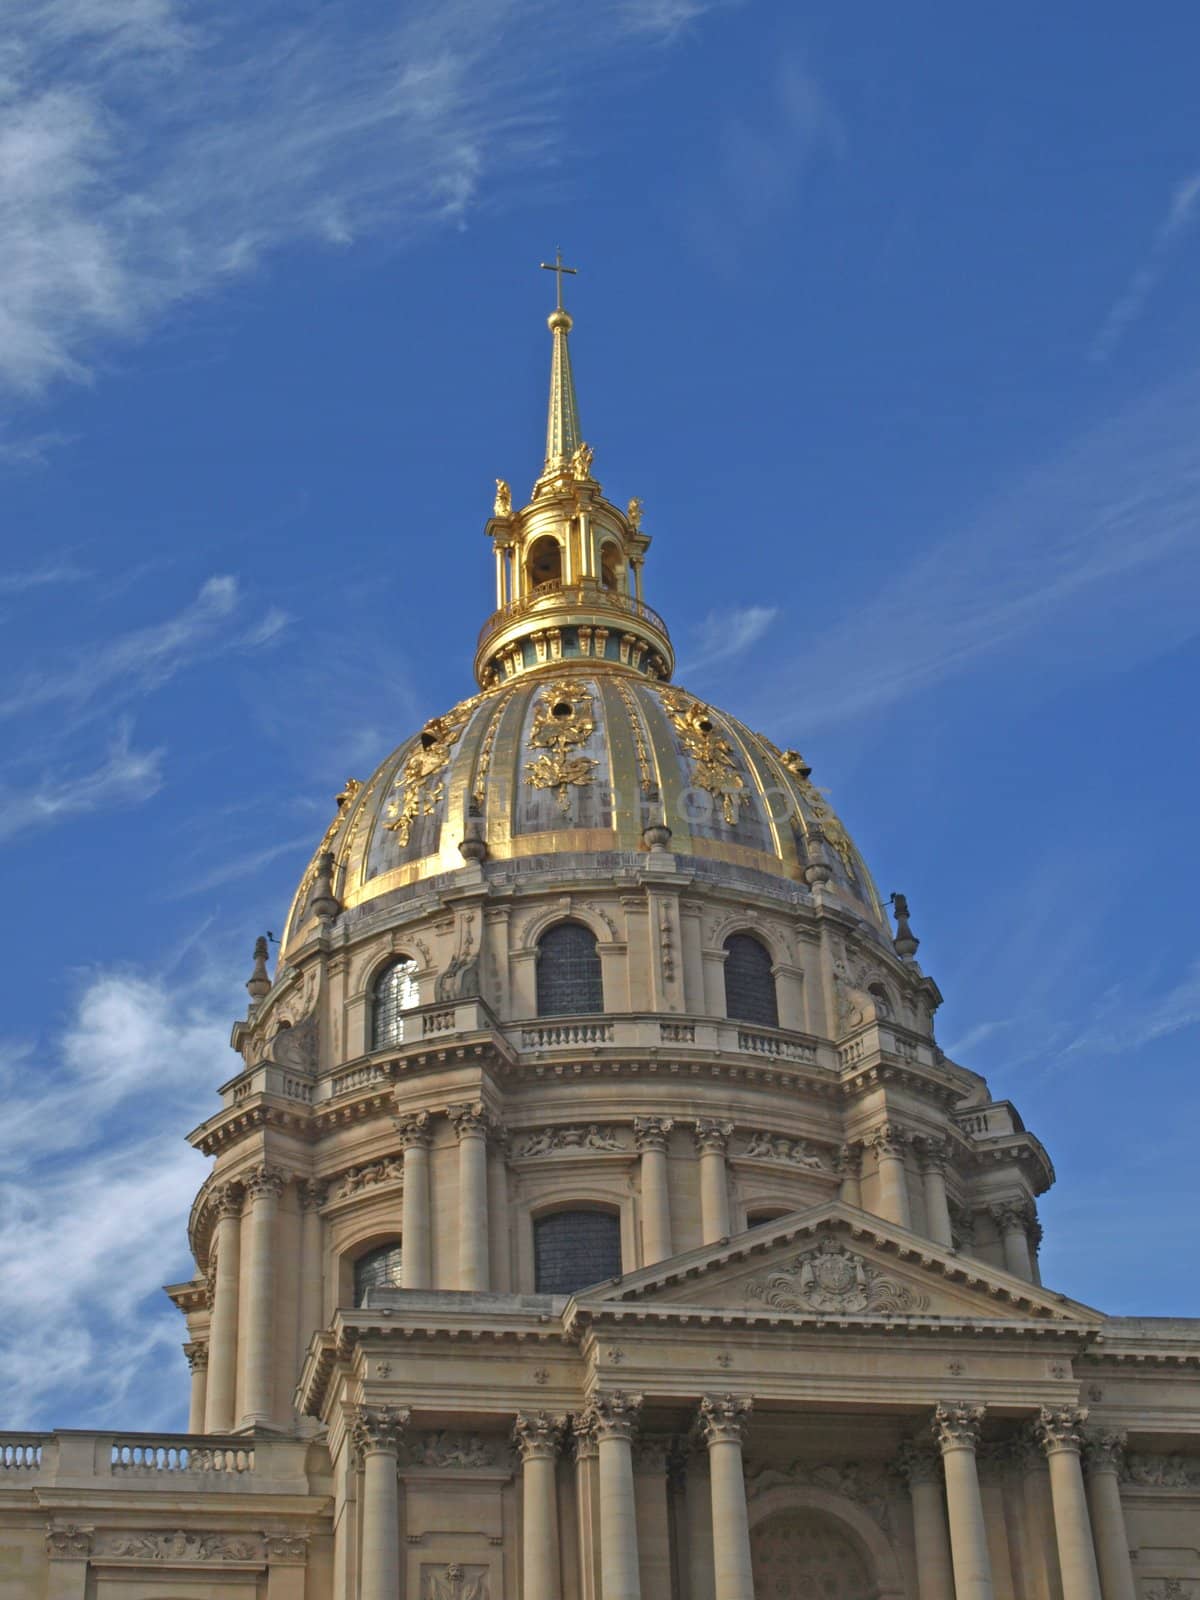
(933,1181)
(312,1276)
(888,1143)
(1012,1222)
(1058,1432)
(723,1420)
(263,1188)
(538,1436)
(712,1138)
(375,1434)
(848,1166)
(956,1429)
(197,1359)
(922,1467)
(651,1135)
(470,1123)
(613,1419)
(416,1266)
(1102,1453)
(223,1328)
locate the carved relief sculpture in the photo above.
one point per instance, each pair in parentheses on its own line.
(834,1279)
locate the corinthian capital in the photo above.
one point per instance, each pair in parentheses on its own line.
(1060,1428)
(415,1130)
(723,1418)
(378,1428)
(265,1181)
(956,1425)
(1103,1451)
(919,1462)
(712,1135)
(197,1357)
(613,1416)
(469,1119)
(650,1133)
(312,1194)
(1010,1216)
(226,1200)
(888,1140)
(538,1436)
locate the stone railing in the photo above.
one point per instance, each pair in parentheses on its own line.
(991,1121)
(137,1456)
(650,1035)
(21,1453)
(776,1045)
(560,1035)
(205,1464)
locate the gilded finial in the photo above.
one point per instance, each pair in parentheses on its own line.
(563,438)
(634,512)
(503,503)
(906,941)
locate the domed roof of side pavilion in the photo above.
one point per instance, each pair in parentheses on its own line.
(579,751)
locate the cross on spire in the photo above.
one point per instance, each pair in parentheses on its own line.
(556,266)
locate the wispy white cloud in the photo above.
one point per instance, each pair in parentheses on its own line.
(125,777)
(1089,564)
(152,149)
(726,634)
(246,865)
(1182,212)
(1123,1021)
(54,572)
(93,1207)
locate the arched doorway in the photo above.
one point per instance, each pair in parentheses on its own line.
(807,1555)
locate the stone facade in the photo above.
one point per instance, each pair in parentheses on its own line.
(827,1365)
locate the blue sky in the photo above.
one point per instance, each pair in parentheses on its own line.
(888,314)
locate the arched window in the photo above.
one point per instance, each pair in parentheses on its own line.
(544,564)
(395,992)
(568,972)
(574,1248)
(377,1269)
(759,1219)
(749,982)
(610,566)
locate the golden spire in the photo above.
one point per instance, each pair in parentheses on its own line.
(563,438)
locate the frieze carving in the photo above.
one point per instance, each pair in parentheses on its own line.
(866,1485)
(775,1147)
(713,767)
(834,1279)
(312,1194)
(420,781)
(286,1546)
(180,1546)
(449,1449)
(599,911)
(562,720)
(454,1582)
(549,1141)
(1162,1472)
(354,1180)
(68,1541)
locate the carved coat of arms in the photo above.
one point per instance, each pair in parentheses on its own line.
(832,1278)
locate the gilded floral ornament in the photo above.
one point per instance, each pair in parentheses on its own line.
(822,815)
(420,783)
(349,790)
(713,766)
(562,720)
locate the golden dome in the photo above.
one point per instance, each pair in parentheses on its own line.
(566,770)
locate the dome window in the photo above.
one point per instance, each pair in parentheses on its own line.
(610,566)
(749,982)
(574,1248)
(568,972)
(378,1269)
(395,993)
(545,562)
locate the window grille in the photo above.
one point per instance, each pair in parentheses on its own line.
(395,993)
(749,982)
(568,972)
(378,1269)
(574,1248)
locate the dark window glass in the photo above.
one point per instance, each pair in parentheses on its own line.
(574,1248)
(395,992)
(749,985)
(378,1269)
(568,972)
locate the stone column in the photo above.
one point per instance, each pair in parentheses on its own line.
(1038,1549)
(537,1437)
(992,1462)
(375,1434)
(933,1180)
(723,1421)
(470,1123)
(613,1419)
(197,1358)
(652,1494)
(587,1460)
(848,1166)
(1058,1432)
(888,1143)
(956,1428)
(312,1276)
(68,1549)
(1012,1221)
(1103,1453)
(651,1136)
(222,1333)
(263,1187)
(711,1141)
(416,1267)
(922,1466)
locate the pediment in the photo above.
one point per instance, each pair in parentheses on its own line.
(837,1264)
